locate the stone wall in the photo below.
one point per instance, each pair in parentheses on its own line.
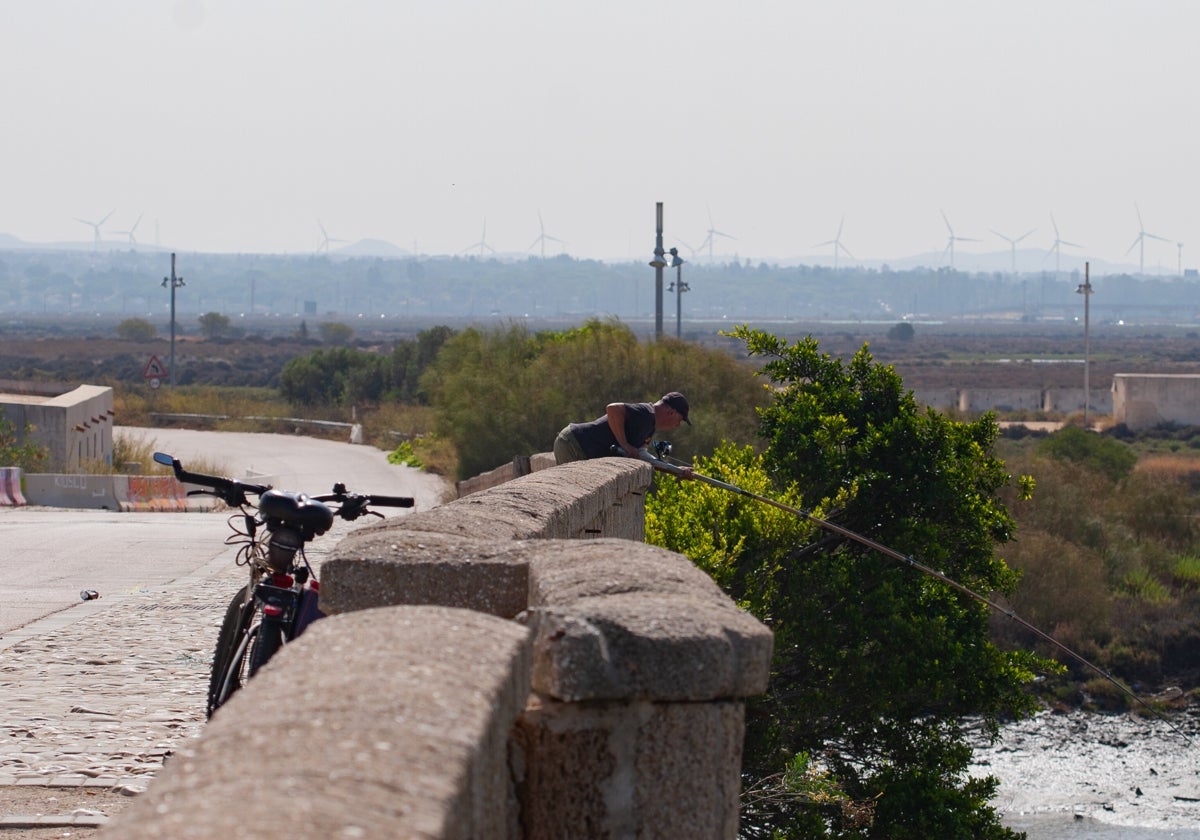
(979,400)
(514,664)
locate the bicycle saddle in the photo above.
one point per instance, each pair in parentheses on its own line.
(296,509)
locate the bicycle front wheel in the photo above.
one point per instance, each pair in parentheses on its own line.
(229,666)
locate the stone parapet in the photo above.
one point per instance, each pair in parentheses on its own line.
(607,703)
(377,724)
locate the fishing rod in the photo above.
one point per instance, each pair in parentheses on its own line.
(657,459)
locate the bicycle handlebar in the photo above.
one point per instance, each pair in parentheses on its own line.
(233,491)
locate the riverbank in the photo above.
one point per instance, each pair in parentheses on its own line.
(1081,774)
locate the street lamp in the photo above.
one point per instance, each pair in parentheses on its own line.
(174,283)
(678,287)
(659,264)
(1085,289)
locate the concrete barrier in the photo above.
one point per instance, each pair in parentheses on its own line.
(139,493)
(72,491)
(109,492)
(10,487)
(484,647)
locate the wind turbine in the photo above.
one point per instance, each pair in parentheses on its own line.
(481,244)
(691,250)
(326,240)
(543,238)
(1058,243)
(836,242)
(1013,243)
(129,232)
(95,226)
(952,239)
(1140,241)
(708,238)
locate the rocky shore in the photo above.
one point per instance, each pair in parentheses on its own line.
(1082,774)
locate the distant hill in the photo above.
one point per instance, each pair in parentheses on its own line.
(372,248)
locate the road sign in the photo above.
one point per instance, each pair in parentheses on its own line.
(154,369)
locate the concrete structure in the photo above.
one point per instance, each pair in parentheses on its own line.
(513,664)
(74,424)
(978,400)
(1144,400)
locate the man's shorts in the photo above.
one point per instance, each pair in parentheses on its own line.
(567,448)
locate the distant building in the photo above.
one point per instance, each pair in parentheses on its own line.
(1145,400)
(74,424)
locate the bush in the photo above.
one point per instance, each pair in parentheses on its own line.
(136,329)
(550,379)
(1096,452)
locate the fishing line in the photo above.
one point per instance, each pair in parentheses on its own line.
(661,464)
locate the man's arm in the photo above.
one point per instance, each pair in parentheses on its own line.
(616,421)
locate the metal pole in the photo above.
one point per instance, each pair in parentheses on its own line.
(1087,350)
(679,299)
(658,264)
(1085,289)
(174,282)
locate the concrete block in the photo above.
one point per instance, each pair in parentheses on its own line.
(653,770)
(374,567)
(355,730)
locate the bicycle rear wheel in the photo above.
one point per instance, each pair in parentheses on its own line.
(230,667)
(268,641)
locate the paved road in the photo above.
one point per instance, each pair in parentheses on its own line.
(95,695)
(45,563)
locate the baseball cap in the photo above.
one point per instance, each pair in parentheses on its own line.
(678,402)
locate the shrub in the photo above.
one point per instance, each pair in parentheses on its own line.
(1096,452)
(136,329)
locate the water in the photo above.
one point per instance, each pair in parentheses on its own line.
(1114,777)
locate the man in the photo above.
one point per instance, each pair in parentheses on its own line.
(626,425)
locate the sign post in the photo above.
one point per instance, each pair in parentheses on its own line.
(154,372)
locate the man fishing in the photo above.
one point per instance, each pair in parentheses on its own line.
(627,426)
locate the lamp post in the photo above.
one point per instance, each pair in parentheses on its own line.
(659,264)
(174,283)
(1085,289)
(678,287)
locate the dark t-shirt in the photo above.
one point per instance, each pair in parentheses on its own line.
(597,439)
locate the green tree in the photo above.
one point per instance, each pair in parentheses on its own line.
(136,329)
(18,450)
(214,324)
(335,333)
(877,666)
(506,392)
(902,331)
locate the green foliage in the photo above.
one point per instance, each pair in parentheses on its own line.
(1098,453)
(17,450)
(876,665)
(1187,571)
(136,329)
(505,391)
(348,377)
(214,325)
(404,455)
(335,333)
(903,331)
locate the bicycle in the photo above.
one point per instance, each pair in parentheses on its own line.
(282,597)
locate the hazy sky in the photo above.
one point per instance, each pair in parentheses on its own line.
(235,125)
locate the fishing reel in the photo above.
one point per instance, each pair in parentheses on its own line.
(662,448)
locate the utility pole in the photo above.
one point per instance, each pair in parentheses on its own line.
(659,263)
(1085,289)
(174,283)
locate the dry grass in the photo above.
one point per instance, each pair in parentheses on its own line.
(1184,467)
